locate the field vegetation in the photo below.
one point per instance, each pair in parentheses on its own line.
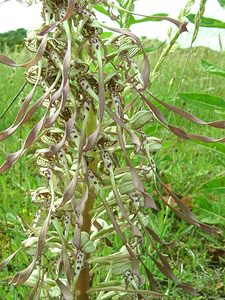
(189,78)
(194,170)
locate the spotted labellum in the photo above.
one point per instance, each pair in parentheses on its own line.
(94,155)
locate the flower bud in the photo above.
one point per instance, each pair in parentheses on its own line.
(153,144)
(30,245)
(29,242)
(86,244)
(141,118)
(120,267)
(32,280)
(126,184)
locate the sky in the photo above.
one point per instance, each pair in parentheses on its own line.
(14,15)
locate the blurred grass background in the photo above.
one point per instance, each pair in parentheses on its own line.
(195,171)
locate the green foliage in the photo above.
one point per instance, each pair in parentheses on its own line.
(174,155)
(203,100)
(219,148)
(154,48)
(147,19)
(213,69)
(210,212)
(222,3)
(215,184)
(208,208)
(12,39)
(101,9)
(207,22)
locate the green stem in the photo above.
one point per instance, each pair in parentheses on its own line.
(164,55)
(127,15)
(83,282)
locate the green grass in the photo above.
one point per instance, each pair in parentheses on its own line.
(17,181)
(187,165)
(184,165)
